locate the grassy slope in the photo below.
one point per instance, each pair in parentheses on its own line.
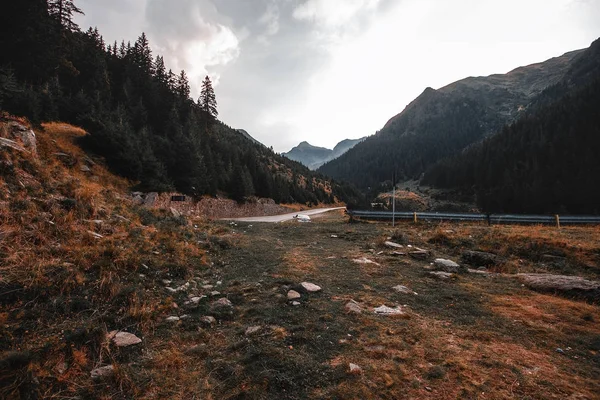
(62,290)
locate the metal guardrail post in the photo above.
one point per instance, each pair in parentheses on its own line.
(415,217)
(557,221)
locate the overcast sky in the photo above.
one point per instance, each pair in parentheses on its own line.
(327,70)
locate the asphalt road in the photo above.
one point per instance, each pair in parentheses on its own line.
(284,217)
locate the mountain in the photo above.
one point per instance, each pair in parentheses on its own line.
(247,136)
(139,116)
(440,123)
(547,161)
(313,157)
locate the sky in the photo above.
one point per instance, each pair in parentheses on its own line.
(322,71)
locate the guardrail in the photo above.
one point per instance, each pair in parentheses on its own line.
(490,219)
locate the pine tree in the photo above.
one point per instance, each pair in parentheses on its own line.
(182,85)
(207,100)
(63,11)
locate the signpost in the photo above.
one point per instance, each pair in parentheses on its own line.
(177,198)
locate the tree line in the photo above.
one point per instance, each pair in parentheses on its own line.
(140,115)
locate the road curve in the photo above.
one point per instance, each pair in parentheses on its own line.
(284,217)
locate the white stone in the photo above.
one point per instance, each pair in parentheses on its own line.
(385,310)
(293,295)
(446,265)
(208,320)
(441,275)
(394,245)
(354,369)
(251,330)
(353,307)
(403,289)
(172,319)
(296,303)
(124,339)
(310,287)
(364,260)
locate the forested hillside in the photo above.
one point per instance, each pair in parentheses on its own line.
(545,162)
(440,123)
(139,114)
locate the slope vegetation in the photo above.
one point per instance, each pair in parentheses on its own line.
(440,123)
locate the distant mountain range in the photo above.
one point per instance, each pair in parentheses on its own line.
(441,123)
(313,157)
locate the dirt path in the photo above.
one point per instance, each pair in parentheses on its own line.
(284,217)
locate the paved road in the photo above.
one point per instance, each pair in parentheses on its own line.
(284,217)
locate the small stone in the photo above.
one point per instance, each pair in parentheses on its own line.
(296,303)
(334,236)
(446,265)
(353,307)
(441,275)
(355,369)
(166,282)
(85,168)
(208,287)
(559,350)
(394,245)
(172,319)
(364,260)
(208,320)
(174,213)
(385,310)
(124,339)
(428,388)
(420,254)
(221,308)
(310,287)
(102,372)
(293,295)
(403,289)
(219,283)
(215,293)
(252,330)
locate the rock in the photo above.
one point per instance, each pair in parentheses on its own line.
(138,200)
(310,287)
(353,307)
(251,330)
(293,295)
(172,319)
(446,265)
(124,339)
(385,310)
(208,287)
(334,236)
(12,144)
(364,260)
(174,212)
(221,308)
(24,135)
(208,320)
(479,258)
(419,254)
(166,282)
(479,271)
(102,372)
(560,283)
(94,234)
(354,369)
(85,168)
(215,293)
(151,199)
(403,289)
(393,245)
(398,253)
(441,275)
(296,303)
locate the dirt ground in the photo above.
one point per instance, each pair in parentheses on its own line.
(474,336)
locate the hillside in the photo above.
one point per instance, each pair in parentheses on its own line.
(440,123)
(313,157)
(547,160)
(103,299)
(140,116)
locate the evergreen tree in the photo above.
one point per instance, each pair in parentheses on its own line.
(63,11)
(208,100)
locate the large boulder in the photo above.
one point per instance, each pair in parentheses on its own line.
(561,283)
(442,264)
(21,134)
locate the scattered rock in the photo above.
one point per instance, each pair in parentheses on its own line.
(252,330)
(296,303)
(403,289)
(398,253)
(310,287)
(560,283)
(355,369)
(151,199)
(208,287)
(172,319)
(393,245)
(215,293)
(441,275)
(385,310)
(334,236)
(208,320)
(365,260)
(124,339)
(221,308)
(479,271)
(419,254)
(85,168)
(166,282)
(480,258)
(174,212)
(353,307)
(446,265)
(293,295)
(102,372)
(94,234)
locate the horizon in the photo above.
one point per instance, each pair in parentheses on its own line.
(292,71)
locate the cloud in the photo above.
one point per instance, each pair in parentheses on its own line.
(333,13)
(192,35)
